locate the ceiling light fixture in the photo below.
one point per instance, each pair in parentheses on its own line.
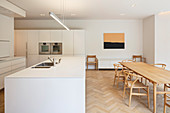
(58,20)
(164,13)
(72,14)
(122,14)
(133,5)
(42,14)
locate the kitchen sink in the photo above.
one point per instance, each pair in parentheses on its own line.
(44,65)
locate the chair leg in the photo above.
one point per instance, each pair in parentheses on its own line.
(164,103)
(164,100)
(96,66)
(148,97)
(114,83)
(118,82)
(139,92)
(130,96)
(87,66)
(124,91)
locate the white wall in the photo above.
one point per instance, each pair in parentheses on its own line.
(162,39)
(133,30)
(149,39)
(7,35)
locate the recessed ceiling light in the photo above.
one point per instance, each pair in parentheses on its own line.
(122,14)
(72,14)
(133,5)
(42,14)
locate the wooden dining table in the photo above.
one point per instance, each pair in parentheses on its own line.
(154,74)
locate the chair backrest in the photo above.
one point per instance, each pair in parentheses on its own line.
(127,60)
(135,57)
(116,67)
(129,73)
(158,65)
(91,57)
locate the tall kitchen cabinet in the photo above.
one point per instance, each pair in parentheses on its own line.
(68,43)
(56,36)
(32,47)
(27,43)
(20,42)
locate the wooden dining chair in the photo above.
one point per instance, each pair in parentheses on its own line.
(119,76)
(136,57)
(160,65)
(166,97)
(134,84)
(92,60)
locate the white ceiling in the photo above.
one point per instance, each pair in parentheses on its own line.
(93,9)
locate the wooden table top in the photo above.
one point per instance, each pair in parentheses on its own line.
(152,73)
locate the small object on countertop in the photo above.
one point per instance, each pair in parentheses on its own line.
(59,60)
(54,61)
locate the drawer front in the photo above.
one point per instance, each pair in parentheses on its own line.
(5,70)
(18,61)
(21,65)
(5,64)
(17,70)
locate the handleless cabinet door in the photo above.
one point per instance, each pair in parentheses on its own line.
(44,35)
(33,42)
(68,42)
(20,42)
(32,60)
(79,42)
(56,35)
(5,49)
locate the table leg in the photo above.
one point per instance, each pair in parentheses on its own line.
(154,97)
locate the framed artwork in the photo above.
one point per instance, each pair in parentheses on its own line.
(114,40)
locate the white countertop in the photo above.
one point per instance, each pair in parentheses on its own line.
(68,67)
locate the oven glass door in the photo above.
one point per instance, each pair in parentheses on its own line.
(44,48)
(56,48)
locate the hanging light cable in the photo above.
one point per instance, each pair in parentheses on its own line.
(57,19)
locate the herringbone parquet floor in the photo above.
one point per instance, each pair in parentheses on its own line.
(103,97)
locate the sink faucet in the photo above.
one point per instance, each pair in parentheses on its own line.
(54,60)
(51,59)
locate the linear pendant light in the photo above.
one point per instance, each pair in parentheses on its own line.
(58,20)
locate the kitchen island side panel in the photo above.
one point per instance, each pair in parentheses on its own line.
(45,95)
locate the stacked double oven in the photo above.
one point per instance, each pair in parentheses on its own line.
(50,48)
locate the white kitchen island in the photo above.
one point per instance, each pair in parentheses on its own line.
(59,89)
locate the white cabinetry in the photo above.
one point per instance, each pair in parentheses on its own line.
(33,42)
(79,42)
(4,49)
(68,42)
(56,36)
(32,60)
(27,43)
(44,35)
(8,67)
(20,42)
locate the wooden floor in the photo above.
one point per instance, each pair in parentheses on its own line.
(1,101)
(103,97)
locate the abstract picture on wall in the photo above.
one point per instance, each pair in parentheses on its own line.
(114,40)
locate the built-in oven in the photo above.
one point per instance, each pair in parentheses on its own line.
(56,48)
(44,48)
